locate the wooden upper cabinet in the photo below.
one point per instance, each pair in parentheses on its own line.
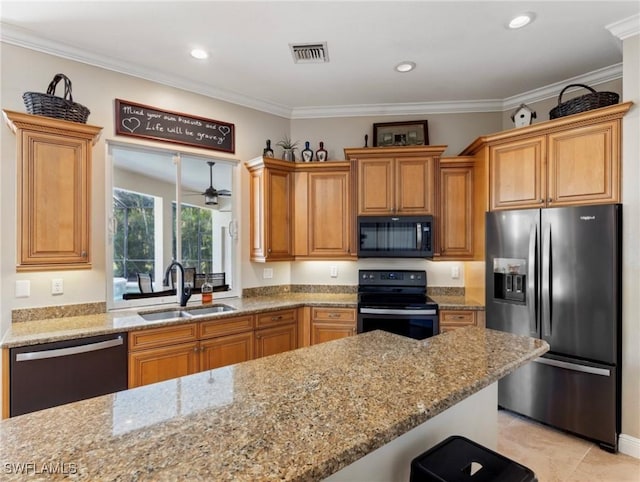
(271,205)
(54,191)
(456,214)
(395,180)
(375,186)
(323,210)
(584,164)
(518,174)
(566,161)
(415,185)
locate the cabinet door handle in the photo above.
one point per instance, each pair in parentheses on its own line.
(276,318)
(334,315)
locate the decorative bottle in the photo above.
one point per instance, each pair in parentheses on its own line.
(321,154)
(207,291)
(307,153)
(268,152)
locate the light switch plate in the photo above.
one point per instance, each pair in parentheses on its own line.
(333,271)
(23,288)
(455,272)
(267,273)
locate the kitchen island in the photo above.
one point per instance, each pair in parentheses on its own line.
(300,415)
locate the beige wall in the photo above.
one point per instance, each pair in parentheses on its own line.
(631,243)
(456,131)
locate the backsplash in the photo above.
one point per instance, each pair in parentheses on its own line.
(64,311)
(60,311)
(285,289)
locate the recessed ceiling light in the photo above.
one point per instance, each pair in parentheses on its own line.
(199,54)
(405,66)
(521,20)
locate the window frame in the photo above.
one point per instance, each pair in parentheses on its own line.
(230,243)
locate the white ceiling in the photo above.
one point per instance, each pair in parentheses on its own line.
(464,54)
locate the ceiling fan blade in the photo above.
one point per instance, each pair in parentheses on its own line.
(224,192)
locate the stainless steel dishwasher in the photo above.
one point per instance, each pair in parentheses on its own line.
(50,374)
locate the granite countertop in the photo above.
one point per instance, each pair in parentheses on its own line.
(299,415)
(25,333)
(55,329)
(449,302)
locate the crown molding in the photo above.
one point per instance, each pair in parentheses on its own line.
(23,38)
(625,28)
(364,110)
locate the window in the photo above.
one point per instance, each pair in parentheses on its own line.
(133,238)
(197,237)
(145,202)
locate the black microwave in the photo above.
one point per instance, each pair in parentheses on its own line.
(395,236)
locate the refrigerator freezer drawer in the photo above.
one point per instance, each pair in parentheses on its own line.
(579,398)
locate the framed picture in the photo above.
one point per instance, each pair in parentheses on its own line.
(410,133)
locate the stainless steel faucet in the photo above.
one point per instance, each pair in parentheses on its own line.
(185,292)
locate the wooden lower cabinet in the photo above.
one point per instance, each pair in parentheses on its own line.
(276,332)
(332,324)
(226,350)
(277,339)
(163,363)
(158,354)
(454,319)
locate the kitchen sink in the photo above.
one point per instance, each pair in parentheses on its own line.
(165,315)
(211,309)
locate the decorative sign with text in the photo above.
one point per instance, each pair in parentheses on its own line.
(139,120)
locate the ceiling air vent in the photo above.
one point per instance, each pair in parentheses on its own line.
(315,53)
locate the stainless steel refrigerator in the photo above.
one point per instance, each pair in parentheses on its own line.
(556,274)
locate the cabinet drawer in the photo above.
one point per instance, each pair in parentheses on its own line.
(458,317)
(166,335)
(452,319)
(334,315)
(226,326)
(274,318)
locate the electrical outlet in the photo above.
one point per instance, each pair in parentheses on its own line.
(455,272)
(267,273)
(333,271)
(57,286)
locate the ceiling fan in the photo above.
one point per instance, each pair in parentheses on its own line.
(211,194)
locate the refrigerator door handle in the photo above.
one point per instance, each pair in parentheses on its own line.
(546,281)
(531,279)
(574,366)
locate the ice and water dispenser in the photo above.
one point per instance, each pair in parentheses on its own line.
(510,279)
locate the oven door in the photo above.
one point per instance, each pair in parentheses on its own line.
(413,323)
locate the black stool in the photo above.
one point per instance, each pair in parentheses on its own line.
(458,459)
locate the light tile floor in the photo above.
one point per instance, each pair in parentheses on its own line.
(556,456)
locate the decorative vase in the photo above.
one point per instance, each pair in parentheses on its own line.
(307,153)
(267,151)
(321,154)
(289,155)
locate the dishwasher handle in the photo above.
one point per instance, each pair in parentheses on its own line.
(72,350)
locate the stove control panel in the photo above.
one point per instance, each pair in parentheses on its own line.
(392,277)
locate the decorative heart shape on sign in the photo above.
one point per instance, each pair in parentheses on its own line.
(130,123)
(224,130)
